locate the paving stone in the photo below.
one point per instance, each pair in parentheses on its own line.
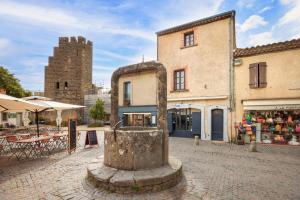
(211,171)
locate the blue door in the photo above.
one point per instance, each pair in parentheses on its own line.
(196,123)
(217,124)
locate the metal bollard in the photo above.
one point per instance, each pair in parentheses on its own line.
(196,142)
(252,147)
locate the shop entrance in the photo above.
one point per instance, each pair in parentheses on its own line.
(180,122)
(217,124)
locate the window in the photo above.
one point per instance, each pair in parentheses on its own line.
(258,75)
(143,120)
(66,85)
(179,80)
(189,39)
(127,94)
(181,119)
(57,85)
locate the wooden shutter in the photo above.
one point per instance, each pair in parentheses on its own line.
(262,74)
(253,75)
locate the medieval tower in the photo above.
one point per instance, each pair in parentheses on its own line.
(68,76)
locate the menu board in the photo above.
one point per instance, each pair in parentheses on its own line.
(91,138)
(72,135)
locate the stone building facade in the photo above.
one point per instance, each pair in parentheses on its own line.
(68,76)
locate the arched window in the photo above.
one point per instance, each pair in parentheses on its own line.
(66,85)
(57,85)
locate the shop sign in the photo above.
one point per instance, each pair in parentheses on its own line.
(278,107)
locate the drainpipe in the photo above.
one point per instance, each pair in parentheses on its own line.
(231,73)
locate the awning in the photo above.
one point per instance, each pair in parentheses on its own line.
(274,104)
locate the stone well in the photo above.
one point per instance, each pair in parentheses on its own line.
(136,159)
(134,148)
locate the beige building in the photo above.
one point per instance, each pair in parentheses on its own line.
(198,57)
(267,86)
(135,91)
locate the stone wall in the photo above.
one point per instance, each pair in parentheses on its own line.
(133,149)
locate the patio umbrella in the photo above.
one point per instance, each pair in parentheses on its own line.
(52,105)
(9,103)
(12,104)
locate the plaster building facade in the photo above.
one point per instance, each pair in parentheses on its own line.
(267,86)
(198,58)
(68,76)
(138,94)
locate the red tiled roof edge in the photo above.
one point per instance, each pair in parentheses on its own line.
(268,48)
(197,23)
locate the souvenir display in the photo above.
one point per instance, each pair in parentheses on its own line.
(278,127)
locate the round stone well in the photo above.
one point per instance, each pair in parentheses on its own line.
(133,162)
(136,159)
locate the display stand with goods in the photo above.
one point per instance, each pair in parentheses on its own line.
(276,127)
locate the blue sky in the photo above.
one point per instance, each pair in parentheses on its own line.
(123,31)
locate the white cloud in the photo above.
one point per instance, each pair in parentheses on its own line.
(246,3)
(37,14)
(293,15)
(180,11)
(264,9)
(63,20)
(261,38)
(252,22)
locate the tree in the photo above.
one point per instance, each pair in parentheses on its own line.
(11,84)
(97,111)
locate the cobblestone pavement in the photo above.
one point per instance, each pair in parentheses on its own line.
(211,171)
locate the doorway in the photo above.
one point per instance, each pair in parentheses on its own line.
(217,124)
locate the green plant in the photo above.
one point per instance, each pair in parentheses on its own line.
(97,111)
(11,84)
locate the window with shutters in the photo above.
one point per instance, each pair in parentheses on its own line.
(258,75)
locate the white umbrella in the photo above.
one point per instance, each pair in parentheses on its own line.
(9,103)
(54,105)
(12,104)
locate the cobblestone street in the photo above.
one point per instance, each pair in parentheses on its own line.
(211,171)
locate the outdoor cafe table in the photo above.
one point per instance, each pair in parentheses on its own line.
(30,145)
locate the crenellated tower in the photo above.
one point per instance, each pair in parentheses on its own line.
(68,75)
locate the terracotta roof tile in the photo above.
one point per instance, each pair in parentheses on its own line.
(197,23)
(274,47)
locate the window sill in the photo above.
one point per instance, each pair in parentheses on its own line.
(184,47)
(185,90)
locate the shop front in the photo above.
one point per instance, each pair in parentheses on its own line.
(271,121)
(185,120)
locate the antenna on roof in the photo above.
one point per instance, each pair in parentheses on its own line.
(143,58)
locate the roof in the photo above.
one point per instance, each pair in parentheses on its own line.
(197,23)
(269,48)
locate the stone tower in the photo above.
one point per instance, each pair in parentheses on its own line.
(68,76)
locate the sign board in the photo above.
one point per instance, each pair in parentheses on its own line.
(72,135)
(91,138)
(237,61)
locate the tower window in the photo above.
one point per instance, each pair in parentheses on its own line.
(57,85)
(66,85)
